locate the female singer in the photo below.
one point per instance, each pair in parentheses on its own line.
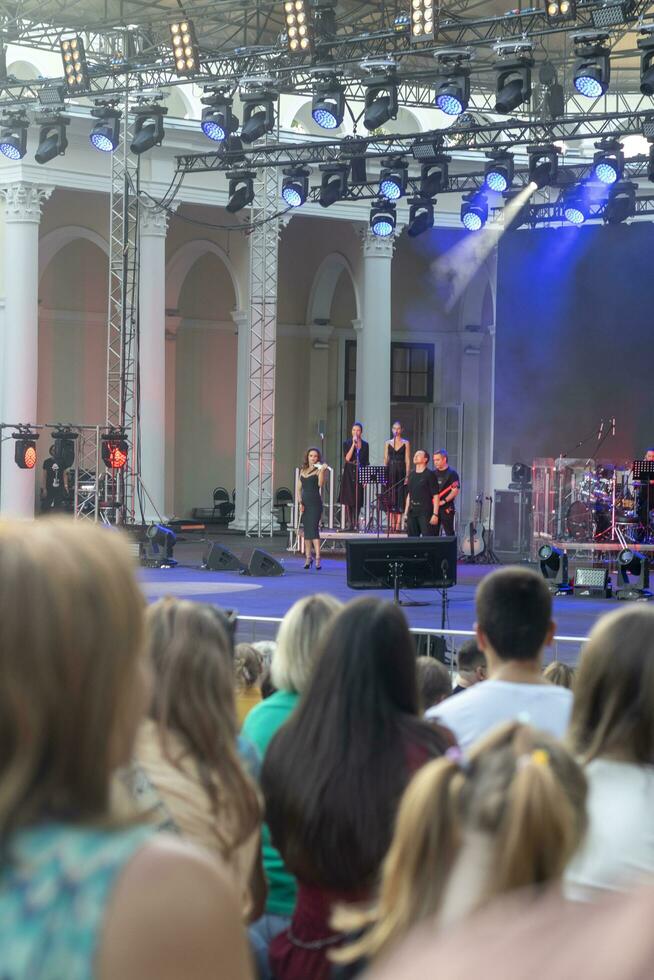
(312,477)
(397,457)
(356,454)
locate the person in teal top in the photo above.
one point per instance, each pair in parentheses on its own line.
(298,646)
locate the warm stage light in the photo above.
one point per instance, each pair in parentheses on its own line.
(76,72)
(382,219)
(299,30)
(559,11)
(25,448)
(422,20)
(115,449)
(185,48)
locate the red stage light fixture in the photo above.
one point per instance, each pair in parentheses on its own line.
(25,448)
(114,449)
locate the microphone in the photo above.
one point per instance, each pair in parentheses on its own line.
(601,430)
(613,426)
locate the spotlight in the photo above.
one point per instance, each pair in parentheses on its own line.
(543,165)
(114,449)
(393,178)
(646,45)
(434,176)
(632,565)
(105,135)
(218,121)
(148,128)
(13,136)
(333,186)
(474,211)
(593,67)
(299,35)
(621,203)
(382,219)
(258,113)
(241,190)
(52,137)
(76,71)
(422,20)
(554,569)
(295,186)
(380,101)
(160,536)
(498,173)
(613,14)
(328,104)
(513,85)
(608,162)
(63,440)
(25,447)
(559,11)
(185,47)
(453,91)
(575,207)
(421,216)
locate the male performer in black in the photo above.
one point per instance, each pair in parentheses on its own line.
(55,483)
(421,504)
(447,488)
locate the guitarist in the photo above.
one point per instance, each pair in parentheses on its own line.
(448,486)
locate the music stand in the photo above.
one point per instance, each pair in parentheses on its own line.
(643,473)
(374,476)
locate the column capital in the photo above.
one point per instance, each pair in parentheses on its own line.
(357,325)
(240,318)
(153,221)
(23,201)
(376,247)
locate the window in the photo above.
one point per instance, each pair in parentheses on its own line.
(412,372)
(350,370)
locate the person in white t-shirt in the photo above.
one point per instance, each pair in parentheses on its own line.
(612,732)
(514,625)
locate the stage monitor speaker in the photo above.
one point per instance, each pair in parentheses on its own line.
(512,522)
(218,558)
(592,583)
(263,565)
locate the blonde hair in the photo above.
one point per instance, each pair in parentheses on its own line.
(71,631)
(613,710)
(521,788)
(563,675)
(248,666)
(298,641)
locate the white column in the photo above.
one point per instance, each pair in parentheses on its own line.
(241,320)
(21,274)
(152,359)
(374,344)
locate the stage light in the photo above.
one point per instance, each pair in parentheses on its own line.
(498,173)
(25,447)
(114,449)
(554,568)
(185,47)
(52,137)
(474,211)
(608,162)
(513,85)
(646,46)
(76,70)
(105,135)
(543,165)
(13,135)
(382,219)
(295,186)
(575,207)
(559,11)
(613,14)
(333,186)
(148,128)
(299,33)
(422,20)
(241,190)
(218,121)
(160,536)
(621,203)
(421,216)
(592,68)
(434,176)
(258,114)
(452,91)
(328,103)
(632,565)
(393,178)
(380,102)
(63,442)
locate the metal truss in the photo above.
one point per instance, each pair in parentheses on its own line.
(88,465)
(261,355)
(537,214)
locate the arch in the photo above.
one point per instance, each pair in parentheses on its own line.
(54,241)
(478,300)
(185,258)
(23,70)
(177,102)
(324,285)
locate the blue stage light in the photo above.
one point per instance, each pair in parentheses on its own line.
(101,141)
(213,130)
(575,210)
(382,219)
(589,86)
(606,172)
(451,105)
(13,138)
(496,181)
(390,189)
(474,212)
(295,186)
(472,221)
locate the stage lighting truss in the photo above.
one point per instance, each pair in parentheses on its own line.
(76,70)
(295,186)
(474,211)
(592,72)
(560,11)
(646,46)
(52,137)
(218,121)
(258,114)
(393,178)
(328,103)
(380,100)
(608,162)
(13,135)
(423,25)
(421,216)
(105,134)
(148,127)
(115,449)
(452,83)
(333,185)
(633,575)
(621,203)
(382,218)
(241,190)
(543,165)
(499,171)
(185,47)
(25,447)
(299,31)
(513,83)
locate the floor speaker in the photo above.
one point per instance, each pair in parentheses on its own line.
(264,565)
(220,559)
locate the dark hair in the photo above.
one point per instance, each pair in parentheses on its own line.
(396,422)
(266,684)
(434,681)
(424,453)
(470,656)
(359,424)
(305,461)
(334,774)
(514,610)
(441,452)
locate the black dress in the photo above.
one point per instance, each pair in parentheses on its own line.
(396,492)
(348,495)
(312,503)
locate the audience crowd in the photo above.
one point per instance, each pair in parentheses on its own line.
(177,806)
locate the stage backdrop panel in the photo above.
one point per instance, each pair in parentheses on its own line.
(574,342)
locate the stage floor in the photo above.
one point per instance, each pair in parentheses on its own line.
(273,596)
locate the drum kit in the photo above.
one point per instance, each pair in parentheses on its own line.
(602,502)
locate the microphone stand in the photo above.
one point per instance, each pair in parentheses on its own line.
(356,489)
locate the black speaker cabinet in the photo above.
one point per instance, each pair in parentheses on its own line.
(218,558)
(264,565)
(512,523)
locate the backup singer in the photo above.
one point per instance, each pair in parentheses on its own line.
(447,486)
(397,457)
(421,507)
(312,478)
(355,454)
